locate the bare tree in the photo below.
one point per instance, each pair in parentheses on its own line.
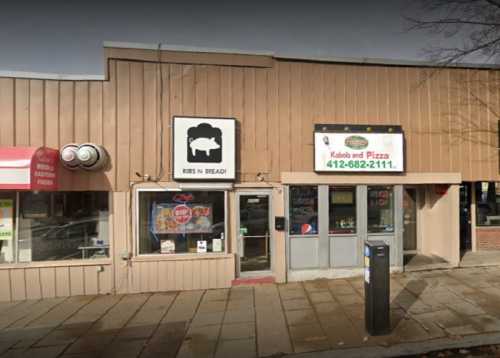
(470,28)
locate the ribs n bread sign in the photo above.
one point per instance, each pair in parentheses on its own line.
(204,148)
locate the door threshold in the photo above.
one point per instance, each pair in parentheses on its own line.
(255,280)
(255,274)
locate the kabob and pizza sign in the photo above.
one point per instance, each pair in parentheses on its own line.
(359,148)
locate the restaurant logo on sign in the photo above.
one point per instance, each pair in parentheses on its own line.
(356,142)
(204,148)
(359,148)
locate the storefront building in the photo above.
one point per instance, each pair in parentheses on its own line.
(213,169)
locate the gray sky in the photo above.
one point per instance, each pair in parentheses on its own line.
(66,36)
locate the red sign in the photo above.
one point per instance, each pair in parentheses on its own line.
(182,214)
(44,169)
(28,168)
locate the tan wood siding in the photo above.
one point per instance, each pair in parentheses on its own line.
(54,280)
(449,119)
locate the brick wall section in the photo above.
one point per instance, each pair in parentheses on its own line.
(488,238)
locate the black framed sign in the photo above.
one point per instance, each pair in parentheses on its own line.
(204,148)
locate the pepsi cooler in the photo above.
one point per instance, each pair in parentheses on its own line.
(377,284)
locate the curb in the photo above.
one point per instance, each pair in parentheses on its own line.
(405,349)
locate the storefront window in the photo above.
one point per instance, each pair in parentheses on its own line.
(303,210)
(62,226)
(488,203)
(342,210)
(380,209)
(173,222)
(7,226)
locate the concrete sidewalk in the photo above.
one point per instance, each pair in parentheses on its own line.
(262,320)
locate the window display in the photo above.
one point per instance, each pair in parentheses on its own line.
(342,210)
(488,203)
(53,226)
(173,222)
(303,210)
(380,209)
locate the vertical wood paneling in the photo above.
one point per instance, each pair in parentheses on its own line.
(22,129)
(91,280)
(188,275)
(123,125)
(62,282)
(179,275)
(150,102)
(213,91)
(171,274)
(95,112)
(66,126)
(445,124)
(81,126)
(33,285)
(7,111)
(5,292)
(18,284)
(300,81)
(153,276)
(204,274)
(284,115)
(192,89)
(248,127)
(261,122)
(196,264)
(76,280)
(52,114)
(237,105)
(226,92)
(105,280)
(274,128)
(136,149)
(109,121)
(212,273)
(166,120)
(414,127)
(48,282)
(163,276)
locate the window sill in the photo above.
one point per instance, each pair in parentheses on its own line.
(63,263)
(181,257)
(486,227)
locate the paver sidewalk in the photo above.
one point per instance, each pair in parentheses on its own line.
(255,321)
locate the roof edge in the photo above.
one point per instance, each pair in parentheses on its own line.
(51,76)
(278,56)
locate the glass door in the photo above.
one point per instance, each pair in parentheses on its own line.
(409,219)
(254,232)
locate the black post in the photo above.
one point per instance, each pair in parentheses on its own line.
(377,281)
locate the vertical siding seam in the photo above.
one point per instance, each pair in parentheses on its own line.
(89,114)
(29,111)
(73,115)
(115,120)
(469,113)
(14,81)
(430,131)
(59,114)
(44,113)
(143,115)
(40,282)
(268,126)
(9,275)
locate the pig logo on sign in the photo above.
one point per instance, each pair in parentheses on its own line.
(204,144)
